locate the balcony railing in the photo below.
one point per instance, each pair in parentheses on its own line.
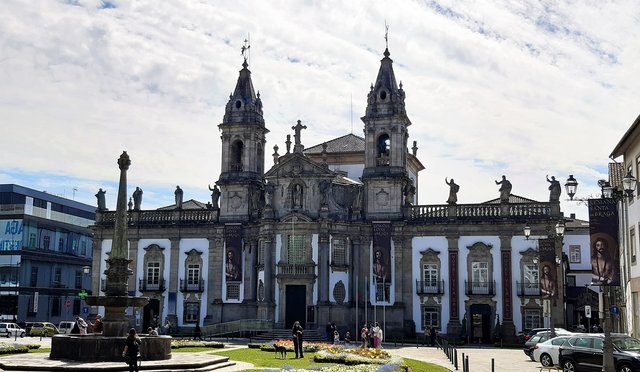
(161,217)
(481,212)
(480,288)
(192,285)
(429,287)
(528,289)
(296,269)
(145,286)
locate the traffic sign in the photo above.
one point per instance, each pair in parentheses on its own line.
(85,310)
(615,310)
(67,304)
(587,311)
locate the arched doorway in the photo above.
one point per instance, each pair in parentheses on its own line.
(480,321)
(151,315)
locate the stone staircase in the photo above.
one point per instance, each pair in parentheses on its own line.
(310,335)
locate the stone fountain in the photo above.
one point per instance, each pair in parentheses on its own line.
(108,346)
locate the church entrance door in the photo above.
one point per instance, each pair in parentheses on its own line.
(296,307)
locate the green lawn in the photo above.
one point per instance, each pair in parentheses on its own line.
(263,359)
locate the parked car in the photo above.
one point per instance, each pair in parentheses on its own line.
(547,352)
(65,327)
(11,330)
(532,332)
(541,337)
(584,353)
(43,329)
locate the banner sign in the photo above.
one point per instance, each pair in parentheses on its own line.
(547,268)
(603,228)
(382,252)
(233,254)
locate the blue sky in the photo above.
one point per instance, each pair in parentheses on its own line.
(523,89)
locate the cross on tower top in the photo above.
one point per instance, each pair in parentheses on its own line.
(297,128)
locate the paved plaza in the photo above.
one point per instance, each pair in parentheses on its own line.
(480,359)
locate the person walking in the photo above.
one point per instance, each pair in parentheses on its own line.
(131,350)
(197,333)
(377,336)
(364,335)
(432,336)
(296,333)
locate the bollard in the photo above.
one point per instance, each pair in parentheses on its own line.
(455,360)
(464,369)
(466,363)
(493,365)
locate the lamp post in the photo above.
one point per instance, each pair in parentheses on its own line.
(629,183)
(557,258)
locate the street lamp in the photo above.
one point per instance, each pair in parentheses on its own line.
(557,259)
(629,183)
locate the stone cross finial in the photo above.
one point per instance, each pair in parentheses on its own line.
(298,128)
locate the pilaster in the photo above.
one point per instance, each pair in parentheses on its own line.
(508,328)
(454,326)
(323,267)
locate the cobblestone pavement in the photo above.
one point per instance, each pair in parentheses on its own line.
(480,358)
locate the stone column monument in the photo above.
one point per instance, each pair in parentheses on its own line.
(108,346)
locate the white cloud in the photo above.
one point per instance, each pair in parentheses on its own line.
(522,89)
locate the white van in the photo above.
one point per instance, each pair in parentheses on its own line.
(11,330)
(65,327)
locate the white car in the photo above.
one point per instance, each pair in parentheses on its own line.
(547,352)
(11,330)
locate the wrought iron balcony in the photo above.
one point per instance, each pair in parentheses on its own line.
(191,285)
(429,287)
(480,287)
(145,286)
(528,289)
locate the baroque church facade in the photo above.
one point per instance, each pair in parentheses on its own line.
(333,233)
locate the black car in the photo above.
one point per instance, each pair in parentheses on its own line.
(584,353)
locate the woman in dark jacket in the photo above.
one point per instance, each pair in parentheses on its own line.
(131,350)
(296,333)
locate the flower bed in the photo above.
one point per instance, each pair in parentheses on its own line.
(177,344)
(359,360)
(7,348)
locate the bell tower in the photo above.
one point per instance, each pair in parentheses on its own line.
(385,130)
(243,140)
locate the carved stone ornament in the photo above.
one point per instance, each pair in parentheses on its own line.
(382,198)
(235,201)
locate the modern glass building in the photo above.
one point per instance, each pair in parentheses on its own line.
(45,255)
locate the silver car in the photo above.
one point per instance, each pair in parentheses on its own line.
(547,352)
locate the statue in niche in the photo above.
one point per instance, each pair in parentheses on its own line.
(297,196)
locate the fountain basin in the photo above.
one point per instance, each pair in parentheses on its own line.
(98,348)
